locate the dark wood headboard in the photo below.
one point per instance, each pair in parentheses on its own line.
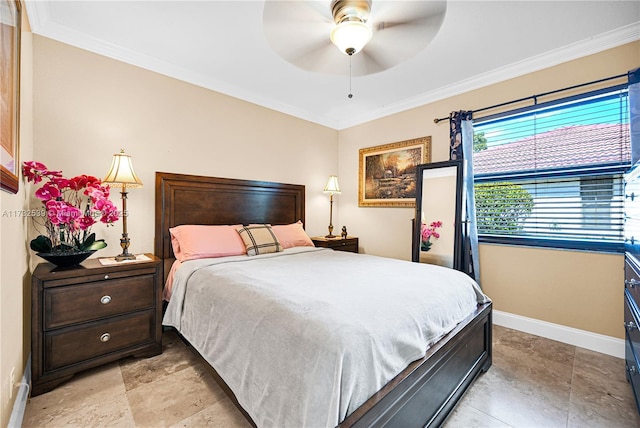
(193,199)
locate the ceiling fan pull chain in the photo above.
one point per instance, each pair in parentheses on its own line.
(350,59)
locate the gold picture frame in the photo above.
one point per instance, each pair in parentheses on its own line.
(10,23)
(387,176)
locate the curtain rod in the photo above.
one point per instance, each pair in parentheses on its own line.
(535,97)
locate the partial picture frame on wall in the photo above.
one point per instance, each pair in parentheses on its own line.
(387,176)
(10,21)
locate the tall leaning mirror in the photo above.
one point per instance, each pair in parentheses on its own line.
(437,234)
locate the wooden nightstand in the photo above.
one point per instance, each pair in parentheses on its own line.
(86,316)
(350,243)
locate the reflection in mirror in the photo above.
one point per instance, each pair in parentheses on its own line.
(437,232)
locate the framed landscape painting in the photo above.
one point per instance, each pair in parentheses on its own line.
(10,18)
(387,176)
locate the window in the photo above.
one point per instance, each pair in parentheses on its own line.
(596,196)
(551,175)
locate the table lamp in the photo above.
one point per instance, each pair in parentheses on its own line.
(122,175)
(331,188)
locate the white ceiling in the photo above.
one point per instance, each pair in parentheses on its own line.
(221,45)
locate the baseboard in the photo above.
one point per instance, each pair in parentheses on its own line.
(572,336)
(19,406)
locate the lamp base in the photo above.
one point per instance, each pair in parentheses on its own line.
(124,241)
(330,235)
(123,257)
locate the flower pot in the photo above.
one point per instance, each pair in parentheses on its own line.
(66,259)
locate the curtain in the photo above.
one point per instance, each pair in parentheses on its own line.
(461,147)
(634,113)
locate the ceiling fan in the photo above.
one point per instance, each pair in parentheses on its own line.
(322,36)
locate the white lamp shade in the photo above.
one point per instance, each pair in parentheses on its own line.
(332,186)
(351,35)
(121,173)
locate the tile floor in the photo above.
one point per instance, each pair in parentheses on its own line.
(534,382)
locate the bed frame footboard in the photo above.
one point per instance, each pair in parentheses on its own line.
(426,392)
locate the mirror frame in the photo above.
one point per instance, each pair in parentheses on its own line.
(458,221)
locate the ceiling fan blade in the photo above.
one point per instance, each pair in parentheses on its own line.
(386,14)
(321,58)
(412,26)
(299,31)
(401,29)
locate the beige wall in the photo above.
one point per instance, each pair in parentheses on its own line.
(576,289)
(14,273)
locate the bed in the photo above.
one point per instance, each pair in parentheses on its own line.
(422,392)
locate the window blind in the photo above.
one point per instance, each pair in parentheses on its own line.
(552,174)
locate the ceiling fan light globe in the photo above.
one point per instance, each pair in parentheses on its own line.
(351,36)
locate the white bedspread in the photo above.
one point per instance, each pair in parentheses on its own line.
(306,336)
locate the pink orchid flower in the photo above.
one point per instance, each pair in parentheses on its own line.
(72,206)
(48,191)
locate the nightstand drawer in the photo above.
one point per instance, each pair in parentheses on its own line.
(345,246)
(70,277)
(91,301)
(73,345)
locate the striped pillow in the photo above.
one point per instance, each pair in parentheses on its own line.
(259,239)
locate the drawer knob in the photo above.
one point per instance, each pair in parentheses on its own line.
(632,283)
(630,325)
(106,277)
(633,370)
(105,300)
(631,196)
(105,337)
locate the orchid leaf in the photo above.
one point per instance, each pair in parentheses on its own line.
(41,244)
(89,241)
(96,245)
(64,248)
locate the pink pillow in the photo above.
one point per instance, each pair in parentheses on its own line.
(292,235)
(200,241)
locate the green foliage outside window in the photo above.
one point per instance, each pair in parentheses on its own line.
(479,142)
(502,208)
